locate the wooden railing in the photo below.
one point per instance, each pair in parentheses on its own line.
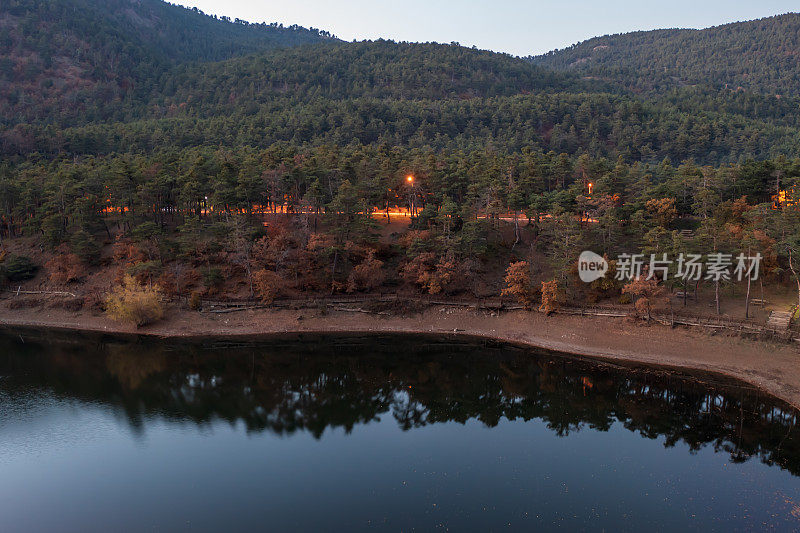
(676,318)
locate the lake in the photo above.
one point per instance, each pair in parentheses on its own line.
(389,433)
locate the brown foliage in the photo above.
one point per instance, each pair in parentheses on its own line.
(124,251)
(275,249)
(648,293)
(549,297)
(663,210)
(177,278)
(518,283)
(125,254)
(320,241)
(431,275)
(267,285)
(367,275)
(408,238)
(64,267)
(168,283)
(195,301)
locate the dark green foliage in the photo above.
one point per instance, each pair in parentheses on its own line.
(163,126)
(758,56)
(144,78)
(19,268)
(84,246)
(212,277)
(80,59)
(145,270)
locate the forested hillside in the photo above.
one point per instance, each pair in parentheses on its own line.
(421,96)
(92,79)
(75,59)
(759,56)
(174,136)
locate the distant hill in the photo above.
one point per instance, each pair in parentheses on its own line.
(379,69)
(93,77)
(761,56)
(420,96)
(57,55)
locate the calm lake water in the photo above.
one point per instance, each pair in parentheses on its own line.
(389,433)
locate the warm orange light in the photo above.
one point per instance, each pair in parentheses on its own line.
(410,178)
(591,186)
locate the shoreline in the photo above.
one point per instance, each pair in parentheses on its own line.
(772,368)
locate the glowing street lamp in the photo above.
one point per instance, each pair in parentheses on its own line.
(412,197)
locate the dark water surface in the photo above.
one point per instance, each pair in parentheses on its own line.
(388,433)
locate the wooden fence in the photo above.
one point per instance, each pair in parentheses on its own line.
(341,303)
(678,318)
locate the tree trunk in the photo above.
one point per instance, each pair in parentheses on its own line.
(747,295)
(796,276)
(516,231)
(685,289)
(747,300)
(333,269)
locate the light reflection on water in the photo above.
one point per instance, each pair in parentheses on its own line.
(387,433)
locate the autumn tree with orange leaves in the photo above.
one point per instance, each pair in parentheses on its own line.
(65,267)
(550,301)
(367,275)
(647,292)
(518,283)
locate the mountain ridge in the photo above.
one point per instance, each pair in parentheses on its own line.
(73,51)
(758,55)
(252,85)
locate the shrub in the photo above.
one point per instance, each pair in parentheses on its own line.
(194,301)
(663,210)
(549,297)
(144,270)
(19,268)
(647,293)
(213,279)
(367,275)
(64,267)
(267,285)
(431,273)
(134,303)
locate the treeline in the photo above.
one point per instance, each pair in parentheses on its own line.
(182,182)
(599,125)
(193,220)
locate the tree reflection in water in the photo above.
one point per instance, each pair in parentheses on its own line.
(314,383)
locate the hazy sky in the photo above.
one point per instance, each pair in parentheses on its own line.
(515,26)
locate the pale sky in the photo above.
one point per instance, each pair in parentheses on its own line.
(514,26)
